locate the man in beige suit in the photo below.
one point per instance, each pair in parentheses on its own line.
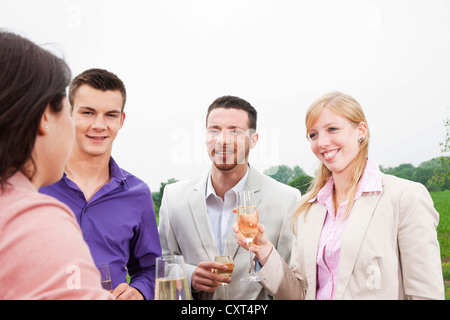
(196,215)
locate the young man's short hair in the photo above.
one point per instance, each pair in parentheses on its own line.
(98,79)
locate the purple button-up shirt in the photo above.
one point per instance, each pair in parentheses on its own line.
(119,226)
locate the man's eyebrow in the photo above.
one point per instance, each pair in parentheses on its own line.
(87,108)
(215,126)
(93,109)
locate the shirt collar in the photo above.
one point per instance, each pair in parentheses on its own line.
(238,187)
(325,192)
(370,181)
(117,174)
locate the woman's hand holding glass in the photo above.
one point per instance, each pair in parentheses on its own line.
(261,245)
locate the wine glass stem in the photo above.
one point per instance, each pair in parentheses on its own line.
(225,287)
(251,264)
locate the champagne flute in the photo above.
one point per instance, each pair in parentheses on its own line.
(105,275)
(171,280)
(248,226)
(228,261)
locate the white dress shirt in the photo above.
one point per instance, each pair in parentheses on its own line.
(220,212)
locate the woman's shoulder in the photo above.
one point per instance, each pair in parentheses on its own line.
(22,208)
(393,183)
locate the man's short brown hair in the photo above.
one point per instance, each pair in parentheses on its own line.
(232,102)
(98,79)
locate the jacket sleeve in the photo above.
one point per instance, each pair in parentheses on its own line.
(282,281)
(284,245)
(418,244)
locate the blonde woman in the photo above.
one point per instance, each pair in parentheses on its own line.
(359,234)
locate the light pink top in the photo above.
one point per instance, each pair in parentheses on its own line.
(42,251)
(333,230)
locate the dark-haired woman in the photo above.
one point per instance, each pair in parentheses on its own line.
(42,251)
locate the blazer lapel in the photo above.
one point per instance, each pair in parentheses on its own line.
(355,230)
(311,234)
(254,183)
(231,245)
(199,213)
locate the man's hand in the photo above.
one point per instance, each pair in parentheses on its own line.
(204,278)
(124,292)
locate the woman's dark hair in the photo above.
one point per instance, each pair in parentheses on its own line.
(31,78)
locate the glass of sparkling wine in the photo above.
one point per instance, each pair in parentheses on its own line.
(171,280)
(105,275)
(248,226)
(228,261)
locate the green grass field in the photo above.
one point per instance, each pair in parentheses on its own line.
(442,205)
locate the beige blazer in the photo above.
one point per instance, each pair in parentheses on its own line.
(184,228)
(389,249)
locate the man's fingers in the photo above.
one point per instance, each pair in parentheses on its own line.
(119,290)
(211,265)
(205,279)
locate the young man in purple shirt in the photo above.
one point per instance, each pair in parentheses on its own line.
(113,207)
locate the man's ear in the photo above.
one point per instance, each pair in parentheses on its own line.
(253,140)
(122,119)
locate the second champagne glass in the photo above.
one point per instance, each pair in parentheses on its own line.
(227,259)
(248,226)
(171,281)
(105,275)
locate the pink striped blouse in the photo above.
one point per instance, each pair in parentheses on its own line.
(333,229)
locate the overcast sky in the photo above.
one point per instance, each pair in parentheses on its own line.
(176,56)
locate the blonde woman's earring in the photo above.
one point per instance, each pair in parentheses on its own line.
(360,139)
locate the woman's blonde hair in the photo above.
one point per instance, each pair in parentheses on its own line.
(347,107)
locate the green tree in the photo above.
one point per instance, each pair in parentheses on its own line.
(441,175)
(281,173)
(297,172)
(404,170)
(301,183)
(423,174)
(284,173)
(295,177)
(157,196)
